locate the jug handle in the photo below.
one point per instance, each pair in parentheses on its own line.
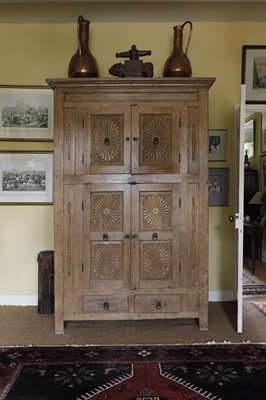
(190,32)
(80,20)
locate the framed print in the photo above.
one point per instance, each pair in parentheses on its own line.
(217,145)
(250,138)
(263,132)
(26,113)
(26,177)
(254,73)
(263,173)
(218,186)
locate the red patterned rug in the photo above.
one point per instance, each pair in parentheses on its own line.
(261,306)
(180,372)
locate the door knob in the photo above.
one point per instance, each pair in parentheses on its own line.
(246,218)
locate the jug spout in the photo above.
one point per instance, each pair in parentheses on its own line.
(178,64)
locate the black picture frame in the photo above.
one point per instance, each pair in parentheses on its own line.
(218,188)
(254,72)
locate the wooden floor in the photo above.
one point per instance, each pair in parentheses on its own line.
(24,326)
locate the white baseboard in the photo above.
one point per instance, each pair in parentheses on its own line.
(27,299)
(222,295)
(31,299)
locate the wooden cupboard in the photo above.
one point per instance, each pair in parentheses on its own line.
(131,199)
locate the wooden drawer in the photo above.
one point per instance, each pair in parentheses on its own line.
(105,304)
(158,303)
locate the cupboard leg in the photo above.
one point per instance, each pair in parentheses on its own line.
(203,319)
(203,325)
(59,326)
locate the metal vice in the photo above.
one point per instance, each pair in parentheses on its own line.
(132,67)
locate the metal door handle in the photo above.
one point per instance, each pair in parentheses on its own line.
(232,218)
(129,236)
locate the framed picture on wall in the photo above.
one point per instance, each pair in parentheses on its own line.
(26,113)
(263,132)
(254,73)
(263,173)
(26,177)
(217,144)
(218,186)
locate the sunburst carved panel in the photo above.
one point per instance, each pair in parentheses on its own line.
(156,210)
(106,260)
(106,211)
(156,139)
(107,140)
(156,260)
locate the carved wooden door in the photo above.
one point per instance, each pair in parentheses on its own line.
(155,139)
(155,222)
(106,222)
(97,140)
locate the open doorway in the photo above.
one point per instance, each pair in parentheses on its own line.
(254,244)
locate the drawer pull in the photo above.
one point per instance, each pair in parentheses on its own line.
(135,139)
(155,140)
(106,306)
(158,305)
(106,141)
(105,237)
(155,236)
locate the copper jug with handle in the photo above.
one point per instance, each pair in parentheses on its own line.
(83,63)
(178,64)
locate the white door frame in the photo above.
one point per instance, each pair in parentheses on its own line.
(239,226)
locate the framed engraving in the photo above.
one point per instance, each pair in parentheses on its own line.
(217,144)
(26,177)
(26,113)
(218,186)
(254,73)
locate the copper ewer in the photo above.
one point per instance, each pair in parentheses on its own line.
(82,63)
(178,64)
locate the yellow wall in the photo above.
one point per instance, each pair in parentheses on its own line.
(33,51)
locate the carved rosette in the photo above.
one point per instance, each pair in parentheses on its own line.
(156,261)
(106,261)
(156,211)
(106,211)
(156,139)
(107,136)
